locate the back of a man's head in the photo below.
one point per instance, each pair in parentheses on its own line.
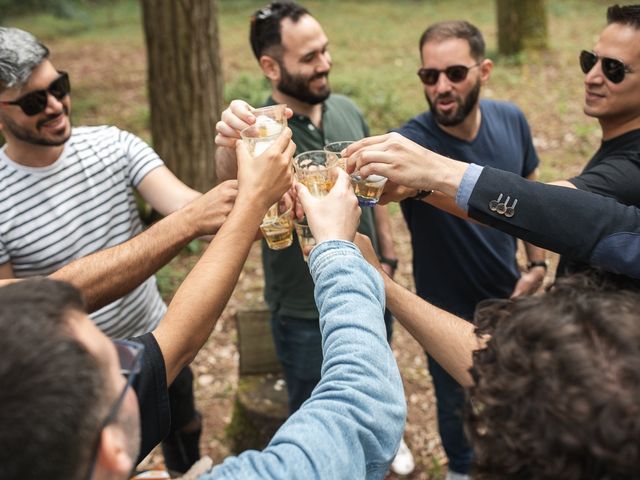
(264,33)
(624,15)
(20,54)
(557,390)
(50,408)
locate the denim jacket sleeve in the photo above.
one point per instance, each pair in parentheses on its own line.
(351,426)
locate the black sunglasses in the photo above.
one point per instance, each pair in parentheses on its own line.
(455,73)
(35,102)
(614,70)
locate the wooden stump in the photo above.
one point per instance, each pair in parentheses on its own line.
(261,400)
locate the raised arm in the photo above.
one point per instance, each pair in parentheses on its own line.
(351,425)
(233,120)
(447,338)
(109,274)
(199,301)
(584,226)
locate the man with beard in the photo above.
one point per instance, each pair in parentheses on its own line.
(68,392)
(456,264)
(292,51)
(612,95)
(68,192)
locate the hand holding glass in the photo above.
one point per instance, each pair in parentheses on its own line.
(270,121)
(368,190)
(316,170)
(278,230)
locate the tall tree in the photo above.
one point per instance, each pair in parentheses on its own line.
(522,25)
(185,85)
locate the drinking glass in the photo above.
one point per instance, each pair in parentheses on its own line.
(369,189)
(316,170)
(270,121)
(305,237)
(265,116)
(278,230)
(336,148)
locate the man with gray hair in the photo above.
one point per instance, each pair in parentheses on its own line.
(68,192)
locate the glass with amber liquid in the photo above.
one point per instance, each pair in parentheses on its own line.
(270,121)
(369,189)
(278,230)
(316,170)
(336,148)
(305,236)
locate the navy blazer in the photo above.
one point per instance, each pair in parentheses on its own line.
(585,226)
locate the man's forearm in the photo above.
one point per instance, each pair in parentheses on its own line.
(226,164)
(446,173)
(582,225)
(450,340)
(203,295)
(358,408)
(109,274)
(383,231)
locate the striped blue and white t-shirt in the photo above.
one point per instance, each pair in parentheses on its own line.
(82,203)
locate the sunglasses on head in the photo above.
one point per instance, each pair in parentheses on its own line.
(614,70)
(35,102)
(455,73)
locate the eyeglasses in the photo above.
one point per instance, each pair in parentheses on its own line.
(35,102)
(130,356)
(455,73)
(614,70)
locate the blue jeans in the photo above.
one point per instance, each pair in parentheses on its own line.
(299,348)
(450,398)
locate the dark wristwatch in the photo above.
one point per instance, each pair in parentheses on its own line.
(422,194)
(392,262)
(538,263)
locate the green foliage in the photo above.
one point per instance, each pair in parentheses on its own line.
(374,62)
(59,8)
(435,470)
(252,88)
(100,20)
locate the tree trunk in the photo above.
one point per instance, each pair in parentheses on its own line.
(185,85)
(261,405)
(522,25)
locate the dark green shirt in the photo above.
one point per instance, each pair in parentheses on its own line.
(288,284)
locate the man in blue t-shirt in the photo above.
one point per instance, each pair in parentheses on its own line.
(456,263)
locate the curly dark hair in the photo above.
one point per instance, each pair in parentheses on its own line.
(557,388)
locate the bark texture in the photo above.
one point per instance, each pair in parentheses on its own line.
(185,85)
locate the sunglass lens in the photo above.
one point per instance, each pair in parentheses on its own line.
(587,61)
(457,73)
(613,69)
(60,88)
(428,76)
(34,103)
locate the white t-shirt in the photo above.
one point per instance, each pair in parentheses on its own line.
(82,203)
